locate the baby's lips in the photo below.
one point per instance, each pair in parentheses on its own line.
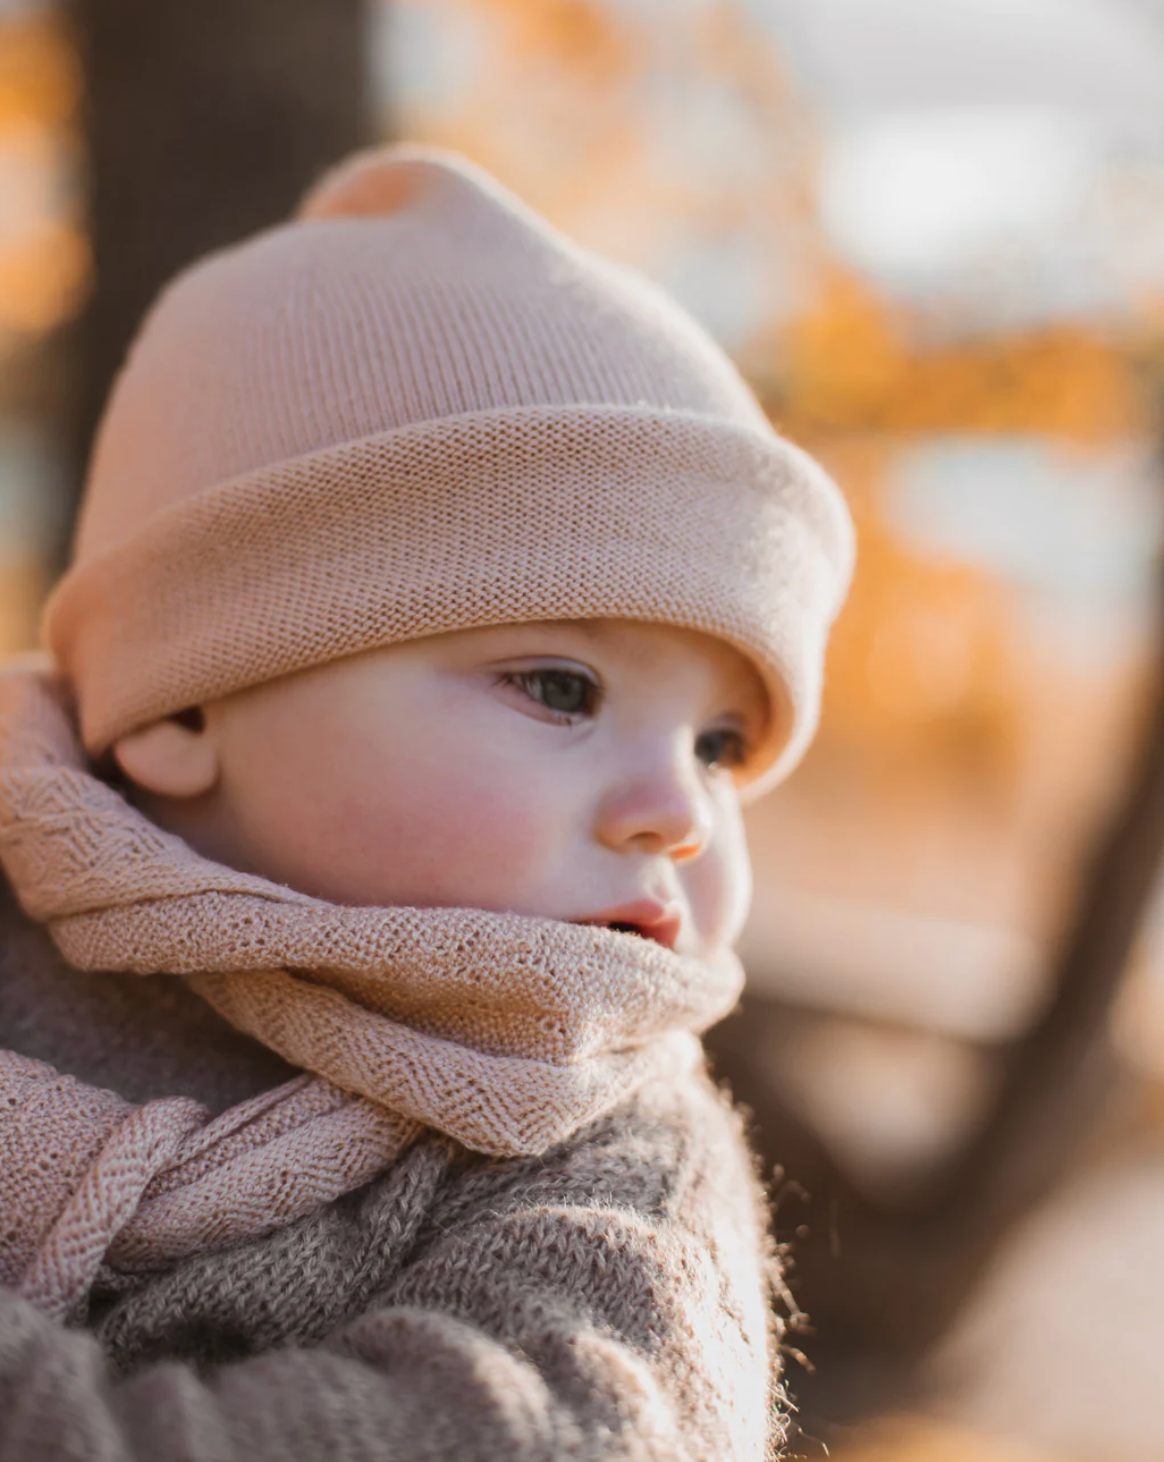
(649,918)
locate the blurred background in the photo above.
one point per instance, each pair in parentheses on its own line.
(931,232)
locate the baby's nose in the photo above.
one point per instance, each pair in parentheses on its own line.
(661,811)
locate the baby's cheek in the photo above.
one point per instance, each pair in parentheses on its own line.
(472,835)
(719,892)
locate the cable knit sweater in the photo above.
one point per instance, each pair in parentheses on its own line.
(607,1299)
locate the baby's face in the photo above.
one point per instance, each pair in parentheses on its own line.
(584,771)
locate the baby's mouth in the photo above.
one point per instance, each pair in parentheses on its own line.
(645,918)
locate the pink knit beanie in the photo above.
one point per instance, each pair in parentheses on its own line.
(415,408)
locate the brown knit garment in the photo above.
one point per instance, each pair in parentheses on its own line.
(419,408)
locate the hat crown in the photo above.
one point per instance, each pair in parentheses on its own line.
(411,287)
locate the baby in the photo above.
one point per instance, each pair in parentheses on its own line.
(373,853)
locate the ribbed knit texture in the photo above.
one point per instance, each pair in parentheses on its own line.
(419,408)
(506,1032)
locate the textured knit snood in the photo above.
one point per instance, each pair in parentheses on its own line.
(507,1033)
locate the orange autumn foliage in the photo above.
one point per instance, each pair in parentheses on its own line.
(922,665)
(43,277)
(582,36)
(850,364)
(44,257)
(40,74)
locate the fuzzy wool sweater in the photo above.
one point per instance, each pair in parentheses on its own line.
(606,1299)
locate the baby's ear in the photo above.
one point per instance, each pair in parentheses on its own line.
(174,758)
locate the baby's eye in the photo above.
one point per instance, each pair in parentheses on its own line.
(723,747)
(565,692)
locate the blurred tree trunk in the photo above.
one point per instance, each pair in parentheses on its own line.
(205,120)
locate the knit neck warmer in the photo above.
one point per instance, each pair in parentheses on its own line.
(504,1032)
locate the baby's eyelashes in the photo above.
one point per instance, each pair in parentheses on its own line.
(566,694)
(563,694)
(724,746)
